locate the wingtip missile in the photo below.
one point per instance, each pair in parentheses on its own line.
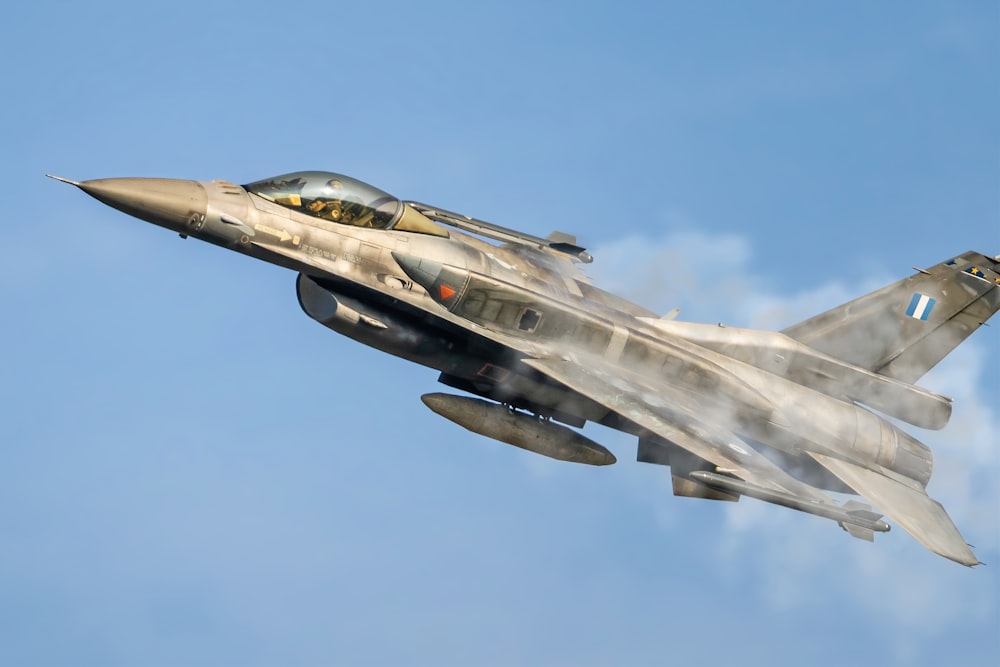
(849,514)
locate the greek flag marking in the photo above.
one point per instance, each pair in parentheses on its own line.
(920,306)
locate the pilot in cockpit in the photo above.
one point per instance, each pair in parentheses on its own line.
(337,205)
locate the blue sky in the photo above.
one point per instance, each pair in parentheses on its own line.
(193,472)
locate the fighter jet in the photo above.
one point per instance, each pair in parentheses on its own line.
(509,319)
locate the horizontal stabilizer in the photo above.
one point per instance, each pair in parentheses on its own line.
(906,504)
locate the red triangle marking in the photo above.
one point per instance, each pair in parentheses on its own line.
(446,292)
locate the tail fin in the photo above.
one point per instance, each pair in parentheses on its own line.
(904,329)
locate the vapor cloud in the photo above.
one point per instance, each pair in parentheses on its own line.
(800,561)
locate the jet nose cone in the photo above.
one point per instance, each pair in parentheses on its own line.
(175,204)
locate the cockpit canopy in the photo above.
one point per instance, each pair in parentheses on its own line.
(332,197)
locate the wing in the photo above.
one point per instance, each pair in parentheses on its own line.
(674,415)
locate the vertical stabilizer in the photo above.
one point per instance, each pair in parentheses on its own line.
(904,329)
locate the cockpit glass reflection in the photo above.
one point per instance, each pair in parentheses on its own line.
(332,197)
